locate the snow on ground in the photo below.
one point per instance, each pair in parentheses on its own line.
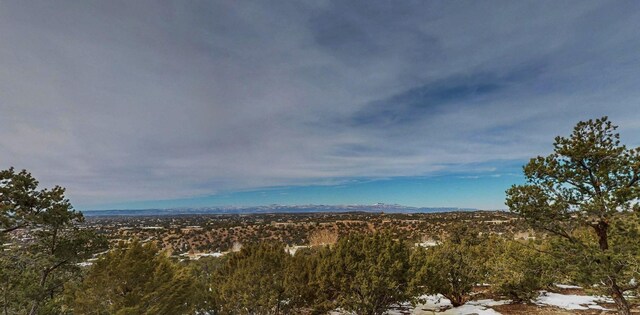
(293,249)
(428,243)
(438,304)
(571,301)
(567,286)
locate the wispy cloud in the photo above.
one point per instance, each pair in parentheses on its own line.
(123,101)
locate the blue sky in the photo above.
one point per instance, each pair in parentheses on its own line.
(483,189)
(137,104)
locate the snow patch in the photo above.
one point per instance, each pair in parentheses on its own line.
(567,286)
(571,301)
(439,304)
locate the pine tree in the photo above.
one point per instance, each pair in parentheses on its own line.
(452,268)
(585,194)
(36,267)
(134,278)
(366,274)
(251,281)
(301,279)
(519,269)
(203,271)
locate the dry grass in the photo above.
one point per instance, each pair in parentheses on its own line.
(323,237)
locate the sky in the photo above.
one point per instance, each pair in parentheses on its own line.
(154,104)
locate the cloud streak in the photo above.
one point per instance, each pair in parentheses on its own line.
(125,101)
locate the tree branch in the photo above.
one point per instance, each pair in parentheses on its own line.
(634,179)
(630,287)
(17,227)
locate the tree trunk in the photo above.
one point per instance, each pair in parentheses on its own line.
(603,239)
(616,293)
(34,309)
(6,304)
(621,303)
(43,281)
(456,299)
(36,303)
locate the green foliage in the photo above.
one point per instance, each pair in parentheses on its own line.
(365,274)
(301,279)
(588,264)
(584,194)
(17,283)
(20,202)
(36,266)
(203,271)
(252,281)
(519,269)
(134,279)
(452,268)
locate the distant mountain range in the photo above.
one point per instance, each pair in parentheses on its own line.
(379,207)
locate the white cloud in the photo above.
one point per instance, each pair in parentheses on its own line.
(133,100)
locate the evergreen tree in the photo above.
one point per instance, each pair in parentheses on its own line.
(252,281)
(365,274)
(452,268)
(16,282)
(36,266)
(132,279)
(519,269)
(584,194)
(203,271)
(301,279)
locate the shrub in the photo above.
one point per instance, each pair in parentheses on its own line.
(366,274)
(134,279)
(251,281)
(519,269)
(452,268)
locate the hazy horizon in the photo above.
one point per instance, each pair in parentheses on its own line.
(245,207)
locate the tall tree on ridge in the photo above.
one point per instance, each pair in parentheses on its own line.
(37,265)
(586,195)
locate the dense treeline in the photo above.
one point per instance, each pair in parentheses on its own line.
(361,273)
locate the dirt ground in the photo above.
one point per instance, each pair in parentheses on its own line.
(522,309)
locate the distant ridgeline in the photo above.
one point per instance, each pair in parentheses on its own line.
(272,209)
